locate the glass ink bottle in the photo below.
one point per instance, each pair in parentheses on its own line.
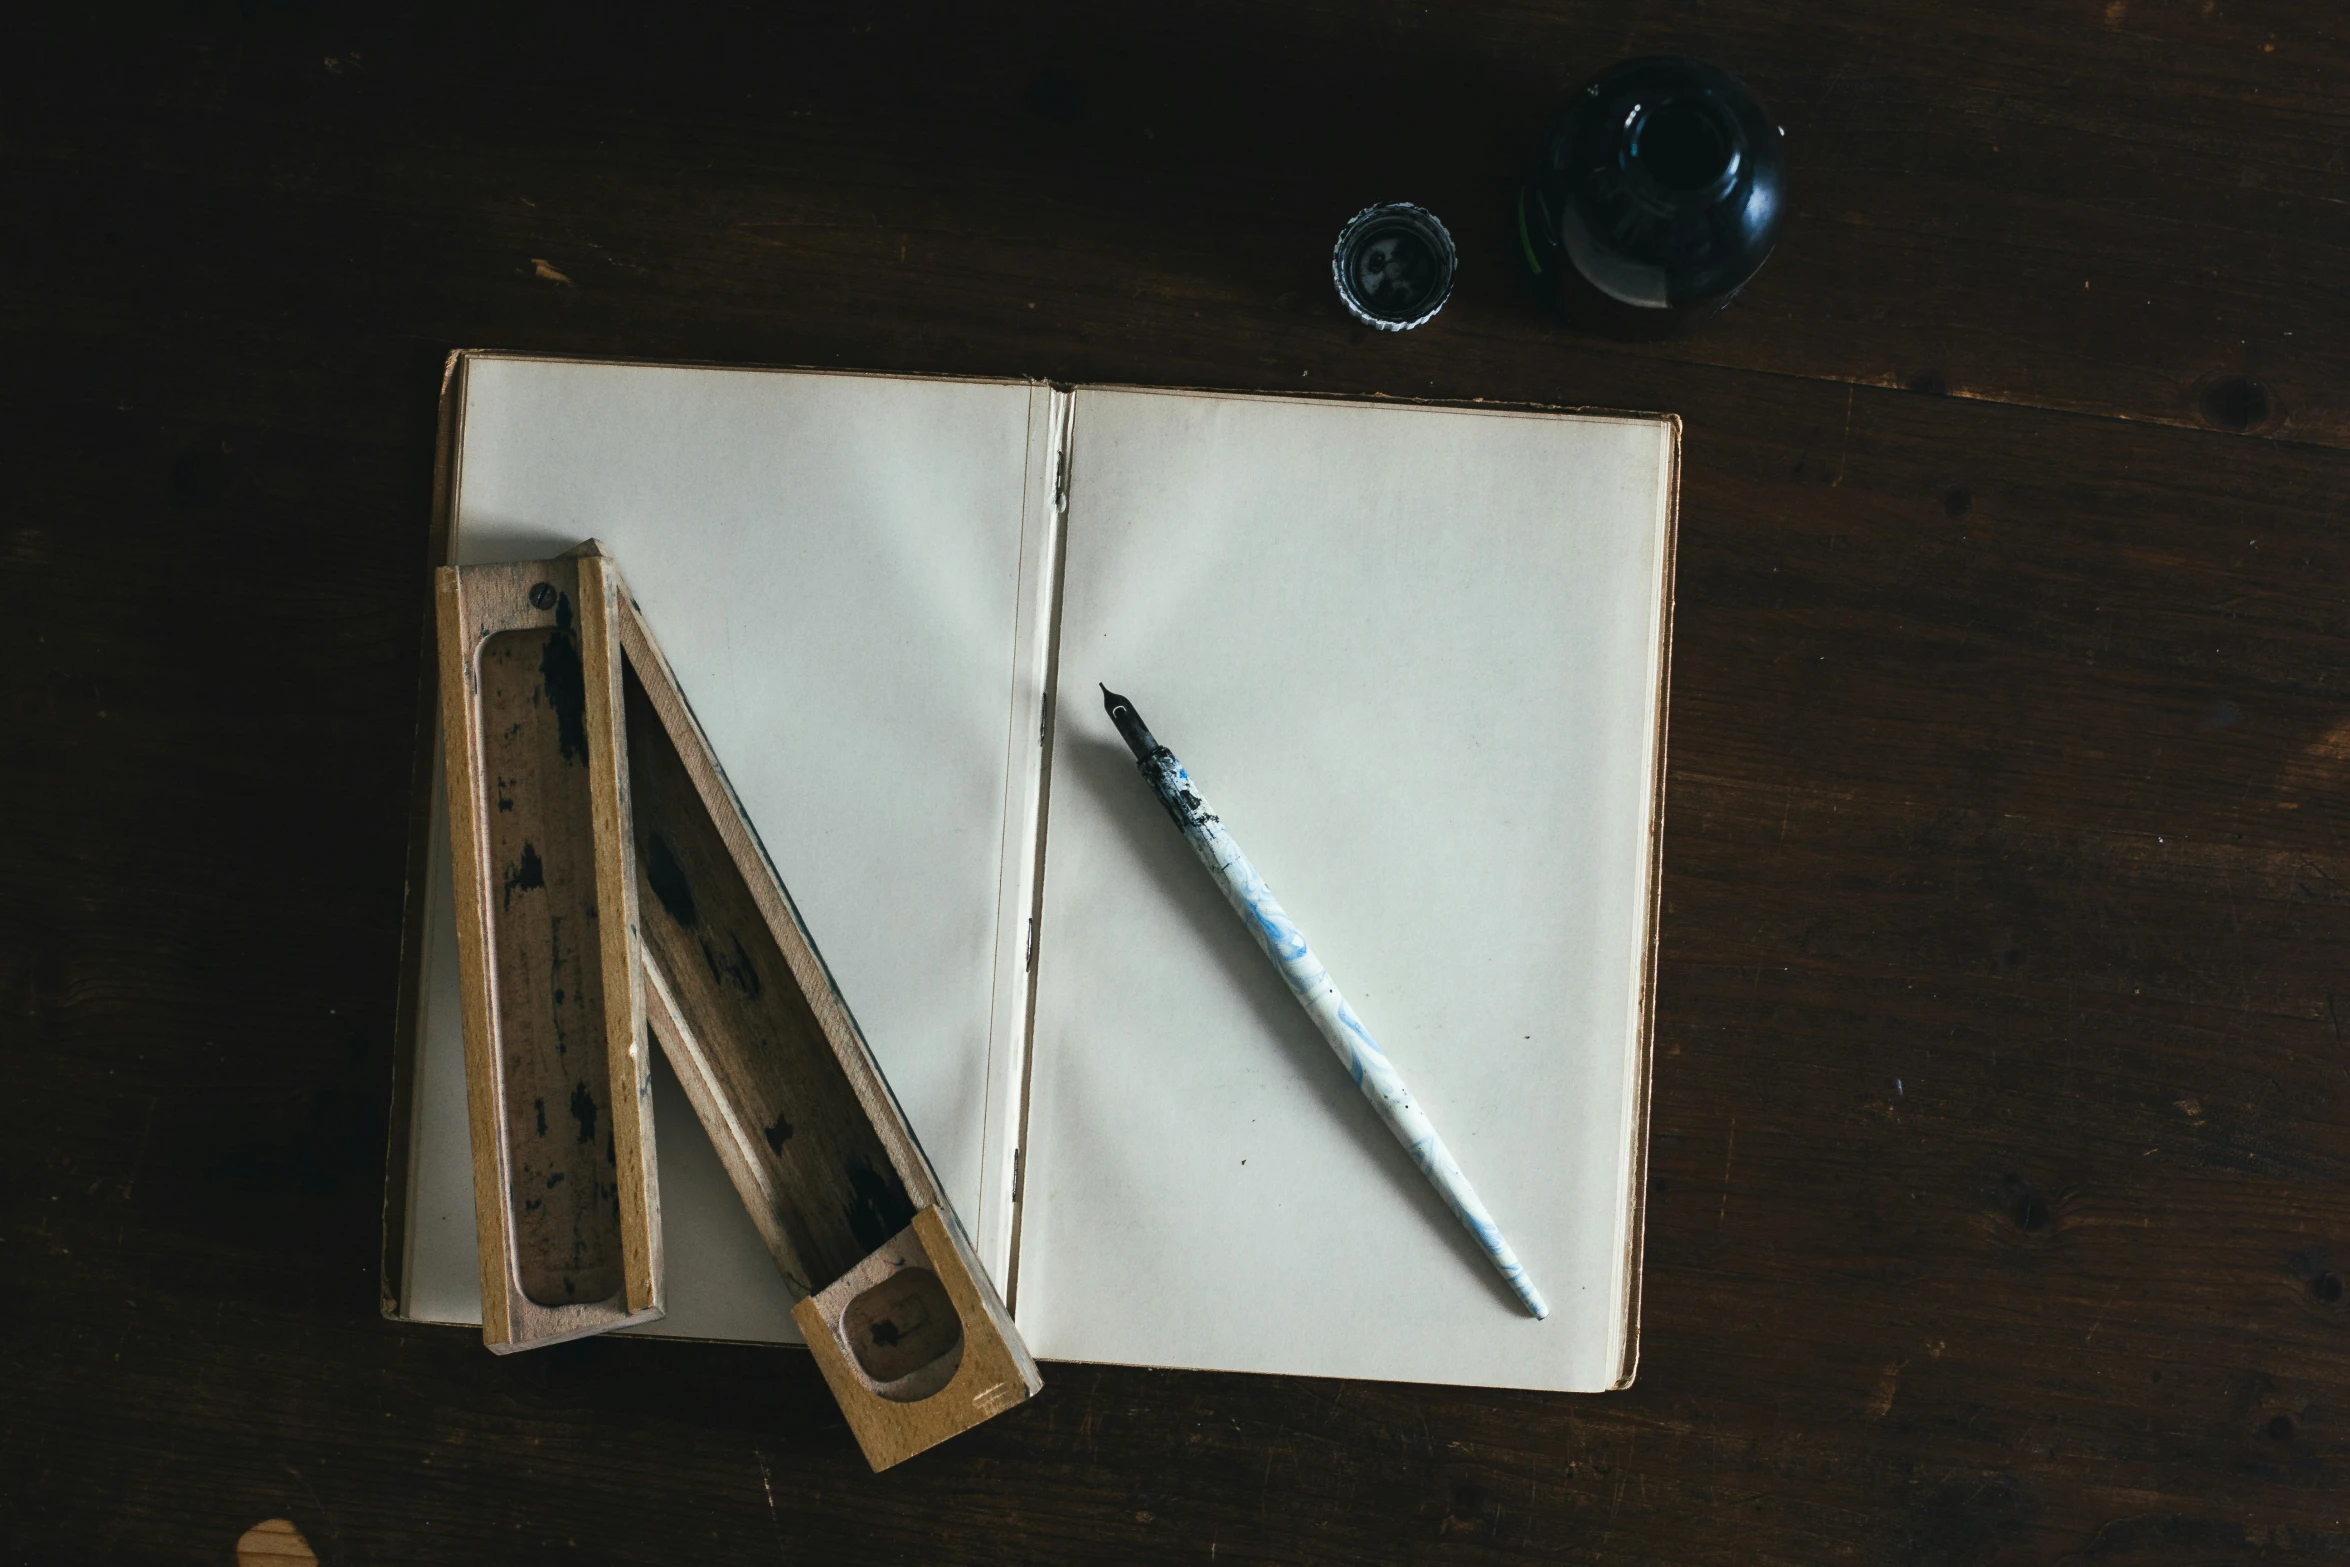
(1656,196)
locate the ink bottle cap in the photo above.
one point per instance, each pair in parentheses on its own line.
(1658,193)
(1393,266)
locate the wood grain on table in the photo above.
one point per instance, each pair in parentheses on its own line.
(2001,1171)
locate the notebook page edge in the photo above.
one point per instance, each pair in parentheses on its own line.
(395,1285)
(1004,1116)
(1633,1253)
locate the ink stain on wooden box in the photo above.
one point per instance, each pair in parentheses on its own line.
(550,999)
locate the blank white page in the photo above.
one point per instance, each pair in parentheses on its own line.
(1412,657)
(846,574)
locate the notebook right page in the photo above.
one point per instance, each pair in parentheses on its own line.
(1413,657)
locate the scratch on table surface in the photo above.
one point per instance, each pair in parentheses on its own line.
(1845,440)
(139,1158)
(2101,1311)
(1888,1384)
(1728,1154)
(767,1484)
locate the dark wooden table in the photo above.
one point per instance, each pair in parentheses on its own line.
(2001,1198)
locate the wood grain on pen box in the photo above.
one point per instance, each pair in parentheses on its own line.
(565,1189)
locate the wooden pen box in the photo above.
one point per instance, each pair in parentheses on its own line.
(707,947)
(565,1188)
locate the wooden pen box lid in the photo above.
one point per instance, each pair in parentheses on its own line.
(566,1195)
(720,965)
(910,1332)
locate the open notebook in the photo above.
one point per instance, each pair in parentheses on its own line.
(1416,655)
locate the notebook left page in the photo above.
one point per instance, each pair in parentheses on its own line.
(847,574)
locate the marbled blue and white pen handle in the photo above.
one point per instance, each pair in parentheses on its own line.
(1310,982)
